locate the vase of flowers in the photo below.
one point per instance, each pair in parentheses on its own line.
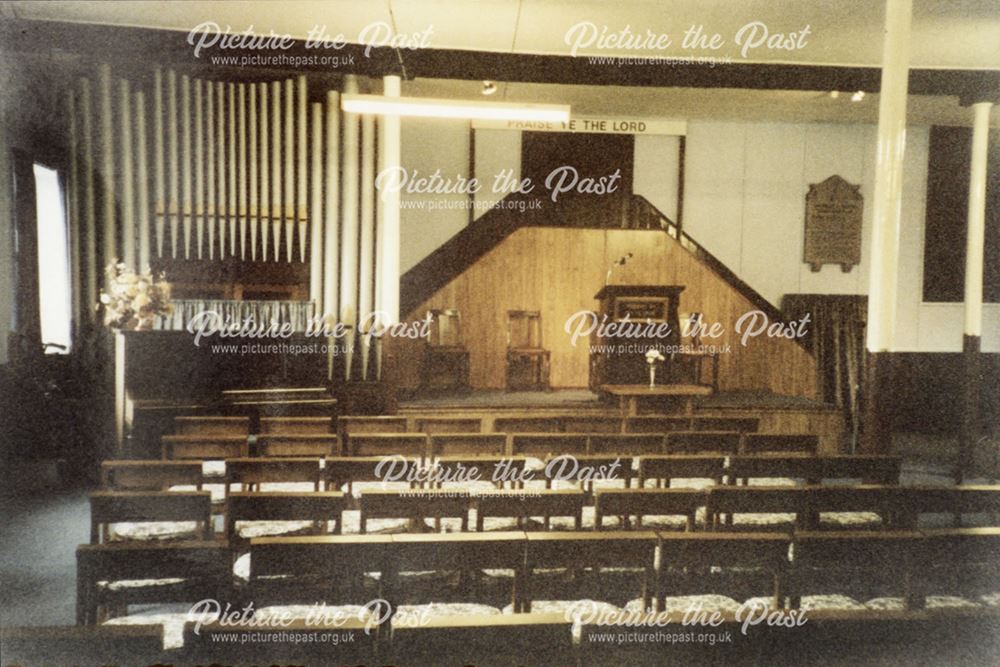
(131,301)
(653,357)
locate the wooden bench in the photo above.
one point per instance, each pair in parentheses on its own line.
(211,425)
(405,444)
(113,507)
(251,473)
(319,507)
(590,424)
(585,469)
(626,503)
(348,425)
(806,502)
(83,645)
(702,442)
(957,561)
(738,424)
(502,471)
(347,470)
(954,500)
(487,641)
(592,550)
(657,424)
(665,467)
(697,563)
(544,444)
(436,425)
(204,568)
(474,444)
(757,443)
(150,475)
(297,425)
(315,445)
(872,469)
(180,447)
(527,424)
(415,505)
(523,505)
(631,444)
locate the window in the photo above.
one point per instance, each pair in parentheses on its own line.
(54,288)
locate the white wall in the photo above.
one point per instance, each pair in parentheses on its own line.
(655,171)
(427,146)
(496,151)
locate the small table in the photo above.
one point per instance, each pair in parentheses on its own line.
(628,395)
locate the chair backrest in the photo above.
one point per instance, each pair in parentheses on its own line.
(657,424)
(342,470)
(316,445)
(150,475)
(648,502)
(445,329)
(406,444)
(956,500)
(255,471)
(630,443)
(501,470)
(473,444)
(425,504)
(757,443)
(738,424)
(544,444)
(719,549)
(665,467)
(297,425)
(591,549)
(432,425)
(591,424)
(349,425)
(756,466)
(702,442)
(522,505)
(870,468)
(319,506)
(111,507)
(524,329)
(180,447)
(585,469)
(211,425)
(526,424)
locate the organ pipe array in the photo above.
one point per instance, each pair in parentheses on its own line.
(176,168)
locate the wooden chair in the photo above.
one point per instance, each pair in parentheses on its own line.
(665,467)
(297,425)
(357,425)
(181,447)
(150,475)
(956,561)
(759,443)
(435,425)
(204,568)
(526,424)
(632,444)
(415,506)
(313,445)
(657,424)
(698,563)
(528,361)
(957,501)
(83,645)
(314,569)
(626,503)
(251,473)
(866,563)
(545,444)
(116,507)
(870,468)
(347,470)
(586,469)
(796,466)
(454,552)
(726,501)
(487,641)
(592,550)
(523,505)
(591,424)
(468,444)
(319,507)
(738,424)
(411,445)
(806,502)
(211,425)
(445,365)
(702,442)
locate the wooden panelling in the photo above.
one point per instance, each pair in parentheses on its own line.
(557,271)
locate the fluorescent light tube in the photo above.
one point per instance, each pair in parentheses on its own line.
(436,108)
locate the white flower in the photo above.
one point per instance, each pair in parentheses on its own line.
(653,355)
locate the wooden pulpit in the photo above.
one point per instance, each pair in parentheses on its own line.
(618,358)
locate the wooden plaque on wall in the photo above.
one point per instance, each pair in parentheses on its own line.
(834,210)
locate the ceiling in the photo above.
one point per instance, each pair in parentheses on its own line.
(952,34)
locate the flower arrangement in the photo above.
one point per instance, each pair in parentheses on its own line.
(653,357)
(133,300)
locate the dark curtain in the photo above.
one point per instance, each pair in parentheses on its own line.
(836,337)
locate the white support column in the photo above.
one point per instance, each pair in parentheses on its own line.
(350,224)
(975,238)
(888,195)
(886,212)
(387,238)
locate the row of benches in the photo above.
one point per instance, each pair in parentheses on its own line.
(482,444)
